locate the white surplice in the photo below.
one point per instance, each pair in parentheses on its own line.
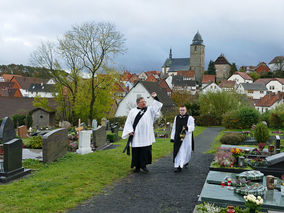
(144,131)
(184,153)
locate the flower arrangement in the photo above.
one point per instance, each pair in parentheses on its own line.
(253,202)
(261,146)
(224,157)
(208,207)
(237,152)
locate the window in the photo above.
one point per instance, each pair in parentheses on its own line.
(250,91)
(271,87)
(261,92)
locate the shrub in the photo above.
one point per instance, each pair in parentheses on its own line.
(20,119)
(266,117)
(261,133)
(232,139)
(120,120)
(208,120)
(34,143)
(112,137)
(248,116)
(277,119)
(231,120)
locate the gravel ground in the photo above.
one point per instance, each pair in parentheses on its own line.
(161,190)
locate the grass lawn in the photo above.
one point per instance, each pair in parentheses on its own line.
(55,187)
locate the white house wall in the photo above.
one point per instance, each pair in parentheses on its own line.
(129,101)
(274,86)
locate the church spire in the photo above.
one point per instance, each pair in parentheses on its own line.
(170,55)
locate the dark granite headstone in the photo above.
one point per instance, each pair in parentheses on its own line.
(54,145)
(12,162)
(7,131)
(276,161)
(114,129)
(99,136)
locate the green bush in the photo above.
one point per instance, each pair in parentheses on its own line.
(120,120)
(266,117)
(112,137)
(207,120)
(232,139)
(35,142)
(248,116)
(20,119)
(261,133)
(276,120)
(193,109)
(231,120)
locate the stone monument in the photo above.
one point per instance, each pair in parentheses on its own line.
(85,142)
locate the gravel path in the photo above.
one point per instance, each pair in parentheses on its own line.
(161,190)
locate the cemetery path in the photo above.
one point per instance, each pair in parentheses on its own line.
(161,190)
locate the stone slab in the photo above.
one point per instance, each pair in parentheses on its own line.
(275,159)
(241,147)
(35,154)
(223,196)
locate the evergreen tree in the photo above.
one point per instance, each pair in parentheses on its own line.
(211,68)
(233,69)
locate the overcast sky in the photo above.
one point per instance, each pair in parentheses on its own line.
(245,31)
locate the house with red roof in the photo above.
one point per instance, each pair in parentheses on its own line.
(241,77)
(8,77)
(272,84)
(211,87)
(262,68)
(208,79)
(7,90)
(269,102)
(227,85)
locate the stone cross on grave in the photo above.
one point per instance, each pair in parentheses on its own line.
(79,128)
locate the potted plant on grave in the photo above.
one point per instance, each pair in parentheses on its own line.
(261,134)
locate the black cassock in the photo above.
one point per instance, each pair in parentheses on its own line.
(181,121)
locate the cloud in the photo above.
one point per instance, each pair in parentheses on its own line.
(245,31)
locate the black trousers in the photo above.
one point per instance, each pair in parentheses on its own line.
(141,156)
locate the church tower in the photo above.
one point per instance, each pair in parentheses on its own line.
(197,57)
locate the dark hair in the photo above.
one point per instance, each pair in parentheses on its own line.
(139,99)
(182,105)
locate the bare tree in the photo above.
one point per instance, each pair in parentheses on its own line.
(94,43)
(49,54)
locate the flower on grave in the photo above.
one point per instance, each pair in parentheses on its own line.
(237,152)
(253,202)
(261,146)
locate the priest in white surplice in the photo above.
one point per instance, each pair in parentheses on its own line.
(143,135)
(182,148)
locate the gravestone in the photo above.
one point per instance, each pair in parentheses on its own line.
(85,142)
(94,124)
(54,145)
(168,129)
(114,128)
(11,165)
(65,125)
(104,122)
(276,161)
(7,131)
(99,137)
(22,131)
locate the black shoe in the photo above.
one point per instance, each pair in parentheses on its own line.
(177,170)
(136,170)
(145,170)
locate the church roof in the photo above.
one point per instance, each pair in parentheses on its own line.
(222,60)
(179,81)
(177,64)
(197,39)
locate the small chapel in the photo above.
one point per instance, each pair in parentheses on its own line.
(195,62)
